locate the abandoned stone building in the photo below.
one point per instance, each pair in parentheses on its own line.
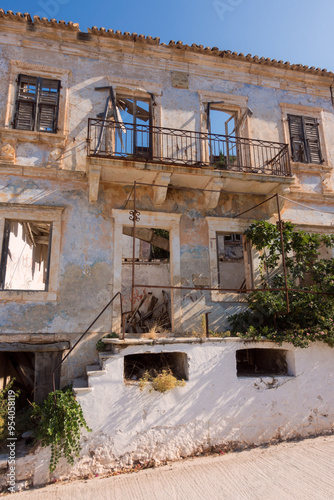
(105,135)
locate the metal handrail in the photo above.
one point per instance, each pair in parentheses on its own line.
(86,331)
(143,142)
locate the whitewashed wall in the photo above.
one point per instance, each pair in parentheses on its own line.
(215,407)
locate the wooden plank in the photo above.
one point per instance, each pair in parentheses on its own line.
(21,347)
(148,235)
(45,363)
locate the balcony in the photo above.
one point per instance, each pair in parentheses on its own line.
(121,152)
(159,145)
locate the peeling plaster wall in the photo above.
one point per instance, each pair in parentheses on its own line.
(88,68)
(86,262)
(85,277)
(215,407)
(36,161)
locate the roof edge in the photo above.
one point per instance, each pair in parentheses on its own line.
(179,45)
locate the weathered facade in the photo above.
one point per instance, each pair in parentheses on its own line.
(96,127)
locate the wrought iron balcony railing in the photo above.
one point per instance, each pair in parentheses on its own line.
(109,139)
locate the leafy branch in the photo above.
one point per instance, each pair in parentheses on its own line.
(60,420)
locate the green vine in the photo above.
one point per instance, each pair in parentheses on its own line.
(60,420)
(100,345)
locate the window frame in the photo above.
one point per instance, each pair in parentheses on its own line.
(9,133)
(304,141)
(158,220)
(309,112)
(5,252)
(227,225)
(135,149)
(220,101)
(233,240)
(52,215)
(36,103)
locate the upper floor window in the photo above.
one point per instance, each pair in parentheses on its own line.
(304,137)
(134,132)
(223,129)
(37,104)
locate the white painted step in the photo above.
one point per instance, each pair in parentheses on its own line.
(94,371)
(80,386)
(107,355)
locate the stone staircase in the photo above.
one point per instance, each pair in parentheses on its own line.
(83,385)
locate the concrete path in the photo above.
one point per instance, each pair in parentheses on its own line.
(297,471)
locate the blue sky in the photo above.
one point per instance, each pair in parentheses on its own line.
(292,30)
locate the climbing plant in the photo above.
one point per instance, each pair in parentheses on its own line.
(311,314)
(60,421)
(101,346)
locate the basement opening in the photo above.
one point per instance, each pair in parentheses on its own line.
(267,362)
(135,365)
(20,367)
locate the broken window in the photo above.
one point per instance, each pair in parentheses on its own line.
(152,268)
(133,135)
(261,362)
(135,365)
(222,150)
(150,244)
(231,253)
(37,104)
(304,137)
(25,255)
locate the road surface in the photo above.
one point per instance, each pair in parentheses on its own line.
(288,471)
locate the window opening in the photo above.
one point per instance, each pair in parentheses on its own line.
(134,137)
(25,255)
(231,265)
(37,104)
(135,365)
(264,362)
(18,367)
(152,258)
(304,137)
(223,150)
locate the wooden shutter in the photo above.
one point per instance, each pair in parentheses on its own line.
(297,138)
(26,103)
(37,104)
(48,102)
(312,140)
(304,136)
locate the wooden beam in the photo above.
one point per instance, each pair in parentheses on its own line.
(20,347)
(149,236)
